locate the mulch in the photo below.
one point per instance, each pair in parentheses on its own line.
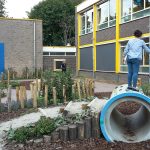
(87,144)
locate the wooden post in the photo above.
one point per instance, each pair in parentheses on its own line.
(21,97)
(95,127)
(17,93)
(9,98)
(64,94)
(46,95)
(39,85)
(35,96)
(8,77)
(73,92)
(72,132)
(36,83)
(54,96)
(55,136)
(88,127)
(83,89)
(79,89)
(80,126)
(63,132)
(87,87)
(139,83)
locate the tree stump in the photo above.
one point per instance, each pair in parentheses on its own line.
(80,130)
(63,132)
(88,127)
(72,132)
(55,136)
(95,127)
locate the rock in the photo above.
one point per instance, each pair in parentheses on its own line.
(47,139)
(38,141)
(20,145)
(30,142)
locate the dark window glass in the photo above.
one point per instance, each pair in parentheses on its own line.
(46,53)
(57,53)
(58,64)
(70,53)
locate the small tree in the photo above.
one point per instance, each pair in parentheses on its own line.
(2,8)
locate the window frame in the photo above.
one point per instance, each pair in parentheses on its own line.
(143,60)
(86,29)
(133,13)
(54,64)
(109,20)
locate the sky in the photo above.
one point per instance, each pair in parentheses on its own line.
(18,8)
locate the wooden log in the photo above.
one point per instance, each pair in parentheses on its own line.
(83,89)
(17,93)
(79,89)
(46,96)
(72,132)
(21,96)
(88,127)
(35,97)
(73,92)
(80,130)
(9,98)
(64,94)
(55,136)
(95,127)
(63,133)
(54,96)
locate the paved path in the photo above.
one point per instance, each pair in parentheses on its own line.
(104,87)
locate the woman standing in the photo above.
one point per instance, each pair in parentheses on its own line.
(133,54)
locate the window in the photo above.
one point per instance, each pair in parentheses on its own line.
(133,9)
(57,64)
(45,53)
(57,53)
(144,68)
(107,14)
(70,54)
(87,22)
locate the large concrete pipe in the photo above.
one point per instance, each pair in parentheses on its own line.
(117,126)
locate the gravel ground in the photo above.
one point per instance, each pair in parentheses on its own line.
(87,144)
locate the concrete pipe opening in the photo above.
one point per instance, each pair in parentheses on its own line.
(130,128)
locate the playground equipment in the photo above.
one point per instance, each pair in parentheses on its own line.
(116,126)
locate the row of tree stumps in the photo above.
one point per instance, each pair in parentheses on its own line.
(88,128)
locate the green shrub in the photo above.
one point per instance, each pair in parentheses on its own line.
(58,79)
(14,84)
(40,101)
(44,126)
(146,89)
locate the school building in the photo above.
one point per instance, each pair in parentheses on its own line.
(103,28)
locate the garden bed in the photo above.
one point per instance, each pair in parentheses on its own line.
(87,144)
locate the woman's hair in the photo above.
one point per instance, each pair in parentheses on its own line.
(138,33)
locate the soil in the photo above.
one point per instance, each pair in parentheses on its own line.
(128,108)
(5,116)
(87,144)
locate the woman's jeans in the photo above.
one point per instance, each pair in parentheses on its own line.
(133,69)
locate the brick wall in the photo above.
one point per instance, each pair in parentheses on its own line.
(18,39)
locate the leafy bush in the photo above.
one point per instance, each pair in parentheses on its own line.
(14,84)
(146,89)
(58,79)
(40,101)
(43,127)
